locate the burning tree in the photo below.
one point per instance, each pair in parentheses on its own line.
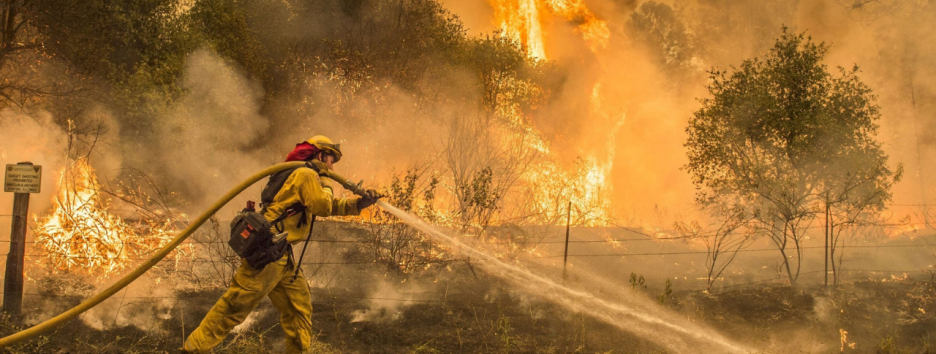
(780,136)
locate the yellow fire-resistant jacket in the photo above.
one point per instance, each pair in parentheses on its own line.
(305,186)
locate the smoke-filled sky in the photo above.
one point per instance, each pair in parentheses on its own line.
(652,86)
(625,105)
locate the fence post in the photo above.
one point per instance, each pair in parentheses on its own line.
(13,282)
(565,256)
(827,236)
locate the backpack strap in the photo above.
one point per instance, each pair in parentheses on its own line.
(292,210)
(302,254)
(277,180)
(272,188)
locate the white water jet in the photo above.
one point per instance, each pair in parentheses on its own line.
(642,317)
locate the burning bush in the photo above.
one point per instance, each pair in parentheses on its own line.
(82,235)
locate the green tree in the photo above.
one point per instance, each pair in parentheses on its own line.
(659,28)
(133,50)
(780,136)
(230,28)
(27,77)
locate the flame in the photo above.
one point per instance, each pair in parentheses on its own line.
(523,20)
(551,188)
(910,230)
(520,20)
(587,186)
(546,186)
(82,235)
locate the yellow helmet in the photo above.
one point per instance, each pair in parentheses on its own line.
(325,144)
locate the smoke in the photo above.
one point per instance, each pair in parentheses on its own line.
(626,105)
(379,133)
(205,144)
(653,71)
(384,303)
(251,320)
(37,139)
(143,304)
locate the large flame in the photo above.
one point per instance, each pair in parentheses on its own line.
(82,235)
(525,20)
(553,187)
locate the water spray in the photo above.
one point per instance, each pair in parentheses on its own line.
(663,330)
(647,320)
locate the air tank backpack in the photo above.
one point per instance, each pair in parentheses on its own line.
(252,236)
(253,239)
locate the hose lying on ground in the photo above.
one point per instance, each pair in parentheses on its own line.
(162,253)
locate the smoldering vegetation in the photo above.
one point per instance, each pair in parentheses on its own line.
(173,102)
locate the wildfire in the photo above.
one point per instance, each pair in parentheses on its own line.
(906,230)
(81,235)
(524,21)
(550,187)
(585,187)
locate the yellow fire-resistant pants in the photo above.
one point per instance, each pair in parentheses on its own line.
(249,286)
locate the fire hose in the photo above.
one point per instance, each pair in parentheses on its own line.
(164,251)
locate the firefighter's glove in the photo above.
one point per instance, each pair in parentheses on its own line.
(369,198)
(318,166)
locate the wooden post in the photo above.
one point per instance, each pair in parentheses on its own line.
(832,248)
(565,257)
(13,282)
(827,236)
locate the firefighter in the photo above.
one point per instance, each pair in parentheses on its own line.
(291,298)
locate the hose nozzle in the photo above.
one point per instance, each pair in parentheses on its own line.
(323,170)
(354,188)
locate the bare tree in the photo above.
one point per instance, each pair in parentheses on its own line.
(849,210)
(722,244)
(485,161)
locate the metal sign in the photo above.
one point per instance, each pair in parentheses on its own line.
(22,178)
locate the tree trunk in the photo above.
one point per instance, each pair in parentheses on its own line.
(832,253)
(786,260)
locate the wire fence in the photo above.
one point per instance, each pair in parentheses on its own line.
(644,237)
(323,294)
(316,294)
(38,255)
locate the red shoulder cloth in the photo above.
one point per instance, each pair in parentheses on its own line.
(302,152)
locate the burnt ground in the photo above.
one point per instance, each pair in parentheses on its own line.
(859,317)
(468,312)
(450,307)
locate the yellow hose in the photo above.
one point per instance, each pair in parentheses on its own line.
(353,188)
(162,253)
